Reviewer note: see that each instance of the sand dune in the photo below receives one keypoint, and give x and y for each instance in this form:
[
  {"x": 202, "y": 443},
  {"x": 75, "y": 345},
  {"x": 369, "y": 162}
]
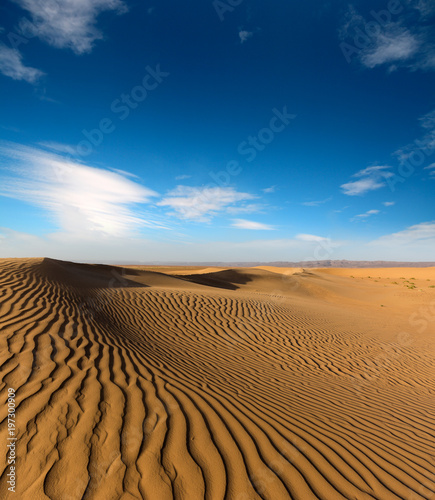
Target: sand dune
[{"x": 204, "y": 383}]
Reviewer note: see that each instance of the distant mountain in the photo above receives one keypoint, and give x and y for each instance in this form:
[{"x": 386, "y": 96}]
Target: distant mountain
[
  {"x": 351, "y": 263},
  {"x": 311, "y": 263}
]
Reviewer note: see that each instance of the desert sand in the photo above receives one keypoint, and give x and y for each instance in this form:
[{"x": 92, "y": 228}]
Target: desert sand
[{"x": 217, "y": 383}]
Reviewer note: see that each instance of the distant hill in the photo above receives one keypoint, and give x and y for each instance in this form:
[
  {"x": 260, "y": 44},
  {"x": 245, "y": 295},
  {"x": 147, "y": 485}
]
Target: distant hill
[{"x": 310, "y": 263}]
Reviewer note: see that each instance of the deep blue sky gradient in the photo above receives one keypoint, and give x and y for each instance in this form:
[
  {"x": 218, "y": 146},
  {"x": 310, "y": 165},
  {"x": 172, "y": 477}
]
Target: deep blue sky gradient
[{"x": 219, "y": 92}]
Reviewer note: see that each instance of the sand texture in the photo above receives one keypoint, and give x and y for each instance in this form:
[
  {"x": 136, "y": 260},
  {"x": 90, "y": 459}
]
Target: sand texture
[{"x": 218, "y": 383}]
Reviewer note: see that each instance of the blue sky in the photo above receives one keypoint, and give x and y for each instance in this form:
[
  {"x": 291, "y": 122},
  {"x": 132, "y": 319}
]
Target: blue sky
[{"x": 218, "y": 130}]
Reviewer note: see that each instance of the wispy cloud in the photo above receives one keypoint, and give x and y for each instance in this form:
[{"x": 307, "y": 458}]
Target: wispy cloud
[
  {"x": 388, "y": 203},
  {"x": 247, "y": 208},
  {"x": 425, "y": 145},
  {"x": 81, "y": 199},
  {"x": 311, "y": 237},
  {"x": 182, "y": 177},
  {"x": 245, "y": 35},
  {"x": 202, "y": 203},
  {"x": 316, "y": 203},
  {"x": 393, "y": 40},
  {"x": 9, "y": 128},
  {"x": 58, "y": 147},
  {"x": 423, "y": 233},
  {"x": 428, "y": 120},
  {"x": 269, "y": 190},
  {"x": 68, "y": 23},
  {"x": 370, "y": 179},
  {"x": 395, "y": 46},
  {"x": 249, "y": 224},
  {"x": 365, "y": 215},
  {"x": 425, "y": 7},
  {"x": 11, "y": 65}
]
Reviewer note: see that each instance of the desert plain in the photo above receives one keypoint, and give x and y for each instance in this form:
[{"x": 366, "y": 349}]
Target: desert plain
[{"x": 214, "y": 383}]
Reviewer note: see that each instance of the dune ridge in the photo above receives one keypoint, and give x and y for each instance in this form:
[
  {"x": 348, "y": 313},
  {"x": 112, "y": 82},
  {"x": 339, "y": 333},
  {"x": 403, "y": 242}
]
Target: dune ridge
[{"x": 217, "y": 383}]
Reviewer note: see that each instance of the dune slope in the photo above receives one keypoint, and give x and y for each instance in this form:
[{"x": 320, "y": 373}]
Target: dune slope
[{"x": 229, "y": 384}]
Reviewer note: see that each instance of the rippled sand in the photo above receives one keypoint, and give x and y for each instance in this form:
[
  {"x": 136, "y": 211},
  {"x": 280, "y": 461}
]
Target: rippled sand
[{"x": 214, "y": 383}]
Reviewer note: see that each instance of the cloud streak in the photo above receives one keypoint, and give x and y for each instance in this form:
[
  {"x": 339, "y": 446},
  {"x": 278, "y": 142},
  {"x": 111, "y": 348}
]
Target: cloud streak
[
  {"x": 370, "y": 179},
  {"x": 421, "y": 234},
  {"x": 67, "y": 23},
  {"x": 201, "y": 203},
  {"x": 395, "y": 46},
  {"x": 245, "y": 35},
  {"x": 80, "y": 198},
  {"x": 365, "y": 215},
  {"x": 249, "y": 224},
  {"x": 316, "y": 203},
  {"x": 389, "y": 39},
  {"x": 11, "y": 65}
]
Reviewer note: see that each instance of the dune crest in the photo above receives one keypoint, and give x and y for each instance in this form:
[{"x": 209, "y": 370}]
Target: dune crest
[{"x": 251, "y": 383}]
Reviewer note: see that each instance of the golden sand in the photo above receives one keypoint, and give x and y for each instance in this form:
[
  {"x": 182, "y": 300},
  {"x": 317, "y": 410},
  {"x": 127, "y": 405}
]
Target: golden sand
[{"x": 214, "y": 383}]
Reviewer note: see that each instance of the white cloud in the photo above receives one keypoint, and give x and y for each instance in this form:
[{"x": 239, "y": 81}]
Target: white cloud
[
  {"x": 365, "y": 215},
  {"x": 248, "y": 224},
  {"x": 374, "y": 170},
  {"x": 67, "y": 23},
  {"x": 311, "y": 237},
  {"x": 58, "y": 147},
  {"x": 82, "y": 199},
  {"x": 246, "y": 209},
  {"x": 244, "y": 35},
  {"x": 316, "y": 203},
  {"x": 395, "y": 42},
  {"x": 422, "y": 234},
  {"x": 371, "y": 178},
  {"x": 425, "y": 145},
  {"x": 201, "y": 203},
  {"x": 11, "y": 64},
  {"x": 394, "y": 46},
  {"x": 362, "y": 186},
  {"x": 270, "y": 189},
  {"x": 425, "y": 7},
  {"x": 388, "y": 203},
  {"x": 182, "y": 177}
]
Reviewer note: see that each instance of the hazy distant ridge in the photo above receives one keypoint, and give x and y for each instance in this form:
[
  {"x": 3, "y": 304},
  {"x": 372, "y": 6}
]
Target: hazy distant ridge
[{"x": 310, "y": 263}]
